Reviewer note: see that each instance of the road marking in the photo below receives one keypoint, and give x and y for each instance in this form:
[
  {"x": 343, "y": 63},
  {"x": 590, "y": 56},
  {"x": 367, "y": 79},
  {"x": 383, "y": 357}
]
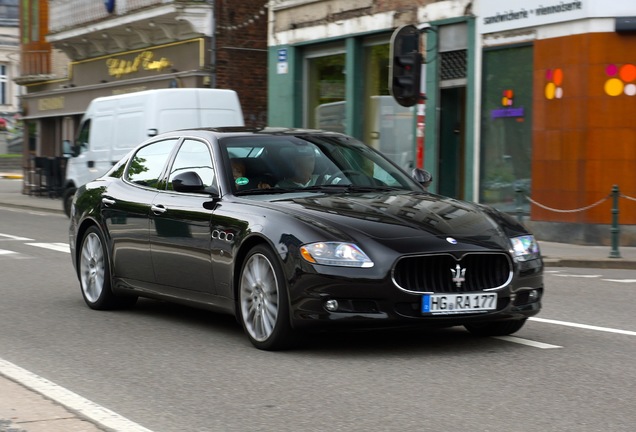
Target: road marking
[
  {"x": 6, "y": 252},
  {"x": 104, "y": 417},
  {"x": 12, "y": 237},
  {"x": 578, "y": 276},
  {"x": 585, "y": 326},
  {"x": 60, "y": 247},
  {"x": 527, "y": 342},
  {"x": 620, "y": 280}
]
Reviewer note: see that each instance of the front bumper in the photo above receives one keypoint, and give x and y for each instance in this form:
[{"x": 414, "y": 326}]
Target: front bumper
[{"x": 364, "y": 303}]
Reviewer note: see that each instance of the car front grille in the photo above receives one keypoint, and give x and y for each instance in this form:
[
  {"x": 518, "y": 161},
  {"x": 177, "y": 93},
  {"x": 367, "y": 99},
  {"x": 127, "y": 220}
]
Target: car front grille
[{"x": 443, "y": 273}]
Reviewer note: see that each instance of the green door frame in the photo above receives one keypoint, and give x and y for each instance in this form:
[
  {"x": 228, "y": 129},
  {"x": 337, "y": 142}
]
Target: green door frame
[{"x": 432, "y": 130}]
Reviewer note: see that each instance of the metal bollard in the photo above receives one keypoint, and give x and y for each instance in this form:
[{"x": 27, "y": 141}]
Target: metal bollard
[
  {"x": 615, "y": 230},
  {"x": 519, "y": 202}
]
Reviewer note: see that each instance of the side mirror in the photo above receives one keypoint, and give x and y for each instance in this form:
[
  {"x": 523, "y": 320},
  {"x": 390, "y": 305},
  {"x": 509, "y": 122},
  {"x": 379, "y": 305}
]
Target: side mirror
[
  {"x": 67, "y": 148},
  {"x": 75, "y": 151},
  {"x": 423, "y": 177},
  {"x": 188, "y": 181}
]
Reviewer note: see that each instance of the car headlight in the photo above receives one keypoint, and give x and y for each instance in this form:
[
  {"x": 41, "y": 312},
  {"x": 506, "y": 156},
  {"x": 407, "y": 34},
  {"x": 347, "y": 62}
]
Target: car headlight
[
  {"x": 335, "y": 254},
  {"x": 525, "y": 248}
]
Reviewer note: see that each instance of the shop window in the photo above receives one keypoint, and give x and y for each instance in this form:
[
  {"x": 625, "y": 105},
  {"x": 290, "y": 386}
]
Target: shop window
[
  {"x": 326, "y": 93},
  {"x": 506, "y": 126},
  {"x": 388, "y": 126}
]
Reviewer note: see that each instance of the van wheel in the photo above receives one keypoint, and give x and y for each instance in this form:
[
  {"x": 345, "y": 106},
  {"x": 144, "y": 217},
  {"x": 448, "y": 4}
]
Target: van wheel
[{"x": 67, "y": 200}]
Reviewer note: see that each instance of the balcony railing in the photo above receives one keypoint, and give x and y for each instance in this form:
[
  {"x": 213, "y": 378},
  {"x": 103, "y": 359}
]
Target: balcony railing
[
  {"x": 36, "y": 63},
  {"x": 68, "y": 14}
]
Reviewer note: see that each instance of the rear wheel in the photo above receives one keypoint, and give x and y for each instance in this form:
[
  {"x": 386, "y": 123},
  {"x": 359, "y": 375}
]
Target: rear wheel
[
  {"x": 94, "y": 274},
  {"x": 264, "y": 308},
  {"x": 495, "y": 328}
]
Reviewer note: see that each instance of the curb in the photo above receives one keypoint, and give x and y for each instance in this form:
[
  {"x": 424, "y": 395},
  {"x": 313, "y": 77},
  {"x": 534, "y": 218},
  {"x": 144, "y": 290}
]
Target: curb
[
  {"x": 30, "y": 207},
  {"x": 608, "y": 263}
]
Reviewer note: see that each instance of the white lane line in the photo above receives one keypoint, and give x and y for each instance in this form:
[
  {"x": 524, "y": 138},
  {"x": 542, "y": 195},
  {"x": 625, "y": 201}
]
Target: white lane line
[
  {"x": 578, "y": 276},
  {"x": 585, "y": 326},
  {"x": 6, "y": 252},
  {"x": 620, "y": 280},
  {"x": 527, "y": 342},
  {"x": 108, "y": 419},
  {"x": 60, "y": 247},
  {"x": 12, "y": 237}
]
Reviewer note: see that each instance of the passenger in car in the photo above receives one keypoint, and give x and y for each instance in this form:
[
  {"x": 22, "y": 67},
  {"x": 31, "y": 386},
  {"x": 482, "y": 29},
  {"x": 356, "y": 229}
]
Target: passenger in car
[{"x": 241, "y": 179}]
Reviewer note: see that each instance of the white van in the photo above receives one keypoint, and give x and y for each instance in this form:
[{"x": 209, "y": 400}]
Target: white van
[{"x": 113, "y": 125}]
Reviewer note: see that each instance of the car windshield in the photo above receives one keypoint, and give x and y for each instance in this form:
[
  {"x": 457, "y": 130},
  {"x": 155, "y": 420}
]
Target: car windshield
[{"x": 312, "y": 162}]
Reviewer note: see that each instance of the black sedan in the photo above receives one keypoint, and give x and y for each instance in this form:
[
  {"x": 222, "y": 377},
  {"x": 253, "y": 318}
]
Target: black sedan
[{"x": 294, "y": 230}]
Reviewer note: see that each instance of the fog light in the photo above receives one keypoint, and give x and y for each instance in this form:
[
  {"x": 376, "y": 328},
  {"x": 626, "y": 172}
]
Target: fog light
[
  {"x": 331, "y": 305},
  {"x": 533, "y": 295}
]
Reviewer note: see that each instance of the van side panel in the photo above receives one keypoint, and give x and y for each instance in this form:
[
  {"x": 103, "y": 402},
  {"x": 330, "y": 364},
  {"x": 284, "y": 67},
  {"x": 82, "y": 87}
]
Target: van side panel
[
  {"x": 223, "y": 109},
  {"x": 128, "y": 132}
]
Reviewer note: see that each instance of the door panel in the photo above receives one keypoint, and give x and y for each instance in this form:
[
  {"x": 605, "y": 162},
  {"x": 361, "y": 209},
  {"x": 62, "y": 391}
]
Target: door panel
[{"x": 451, "y": 144}]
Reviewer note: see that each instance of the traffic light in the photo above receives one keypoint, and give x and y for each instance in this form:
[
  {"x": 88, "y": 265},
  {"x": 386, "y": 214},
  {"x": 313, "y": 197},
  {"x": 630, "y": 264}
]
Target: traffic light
[{"x": 406, "y": 65}]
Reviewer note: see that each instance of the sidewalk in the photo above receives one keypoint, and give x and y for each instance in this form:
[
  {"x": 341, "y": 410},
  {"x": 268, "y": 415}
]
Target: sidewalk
[{"x": 24, "y": 410}]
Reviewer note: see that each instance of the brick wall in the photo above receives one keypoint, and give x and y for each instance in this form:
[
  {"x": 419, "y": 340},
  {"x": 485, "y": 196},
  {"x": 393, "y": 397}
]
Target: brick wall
[{"x": 241, "y": 56}]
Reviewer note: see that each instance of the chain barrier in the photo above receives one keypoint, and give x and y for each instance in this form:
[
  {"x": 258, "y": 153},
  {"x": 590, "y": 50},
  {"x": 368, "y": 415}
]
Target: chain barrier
[
  {"x": 568, "y": 211},
  {"x": 614, "y": 230}
]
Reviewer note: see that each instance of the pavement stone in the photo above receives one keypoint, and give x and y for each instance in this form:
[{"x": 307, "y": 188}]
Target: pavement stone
[{"x": 24, "y": 410}]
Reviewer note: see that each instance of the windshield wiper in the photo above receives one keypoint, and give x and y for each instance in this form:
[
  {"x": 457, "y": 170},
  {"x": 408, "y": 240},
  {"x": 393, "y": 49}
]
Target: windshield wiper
[{"x": 350, "y": 188}]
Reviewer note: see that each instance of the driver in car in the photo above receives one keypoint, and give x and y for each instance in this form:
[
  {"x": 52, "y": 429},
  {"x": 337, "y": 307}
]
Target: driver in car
[{"x": 303, "y": 162}]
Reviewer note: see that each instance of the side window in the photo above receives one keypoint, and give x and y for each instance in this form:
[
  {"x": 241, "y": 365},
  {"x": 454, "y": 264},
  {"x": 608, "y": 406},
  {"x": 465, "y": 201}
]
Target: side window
[
  {"x": 82, "y": 137},
  {"x": 194, "y": 156},
  {"x": 147, "y": 164}
]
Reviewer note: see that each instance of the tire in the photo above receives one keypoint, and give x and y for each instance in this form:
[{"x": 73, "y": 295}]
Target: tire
[
  {"x": 67, "y": 200},
  {"x": 94, "y": 274},
  {"x": 495, "y": 328},
  {"x": 263, "y": 304}
]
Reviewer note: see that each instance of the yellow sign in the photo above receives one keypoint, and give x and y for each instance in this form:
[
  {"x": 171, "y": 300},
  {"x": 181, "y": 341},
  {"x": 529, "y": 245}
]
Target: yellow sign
[
  {"x": 143, "y": 61},
  {"x": 52, "y": 103}
]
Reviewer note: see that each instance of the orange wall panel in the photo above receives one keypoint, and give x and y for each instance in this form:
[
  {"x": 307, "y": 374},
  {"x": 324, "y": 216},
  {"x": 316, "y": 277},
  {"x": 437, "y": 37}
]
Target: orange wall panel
[{"x": 585, "y": 141}]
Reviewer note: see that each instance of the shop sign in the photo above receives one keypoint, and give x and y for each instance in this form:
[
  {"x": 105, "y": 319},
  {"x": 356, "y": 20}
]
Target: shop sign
[
  {"x": 507, "y": 110},
  {"x": 499, "y": 16},
  {"x": 119, "y": 67},
  {"x": 52, "y": 103}
]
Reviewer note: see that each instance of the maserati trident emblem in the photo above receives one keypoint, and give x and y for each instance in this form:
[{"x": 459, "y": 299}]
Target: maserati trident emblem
[{"x": 458, "y": 275}]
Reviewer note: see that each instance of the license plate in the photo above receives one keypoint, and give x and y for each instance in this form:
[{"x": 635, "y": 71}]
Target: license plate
[{"x": 446, "y": 304}]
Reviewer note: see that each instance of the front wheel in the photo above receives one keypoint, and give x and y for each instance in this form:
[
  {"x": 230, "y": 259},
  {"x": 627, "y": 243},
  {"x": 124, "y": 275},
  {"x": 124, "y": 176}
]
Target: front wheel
[
  {"x": 263, "y": 303},
  {"x": 495, "y": 328},
  {"x": 94, "y": 274}
]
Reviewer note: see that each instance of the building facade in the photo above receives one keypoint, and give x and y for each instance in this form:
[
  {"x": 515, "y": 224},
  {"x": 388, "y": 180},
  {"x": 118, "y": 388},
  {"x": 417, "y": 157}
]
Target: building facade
[
  {"x": 558, "y": 80},
  {"x": 527, "y": 106},
  {"x": 10, "y": 128},
  {"x": 74, "y": 51}
]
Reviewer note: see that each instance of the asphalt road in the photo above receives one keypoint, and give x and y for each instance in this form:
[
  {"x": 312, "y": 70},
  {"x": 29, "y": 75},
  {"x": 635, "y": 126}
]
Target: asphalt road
[{"x": 171, "y": 368}]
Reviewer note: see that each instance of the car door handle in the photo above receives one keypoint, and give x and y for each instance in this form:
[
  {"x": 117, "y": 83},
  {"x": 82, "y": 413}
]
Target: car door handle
[
  {"x": 108, "y": 202},
  {"x": 158, "y": 209}
]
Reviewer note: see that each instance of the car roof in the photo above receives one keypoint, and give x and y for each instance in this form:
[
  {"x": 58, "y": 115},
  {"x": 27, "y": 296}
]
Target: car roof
[{"x": 240, "y": 130}]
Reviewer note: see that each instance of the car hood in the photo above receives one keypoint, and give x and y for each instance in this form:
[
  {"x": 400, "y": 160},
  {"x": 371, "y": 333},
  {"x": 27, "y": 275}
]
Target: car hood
[{"x": 404, "y": 215}]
